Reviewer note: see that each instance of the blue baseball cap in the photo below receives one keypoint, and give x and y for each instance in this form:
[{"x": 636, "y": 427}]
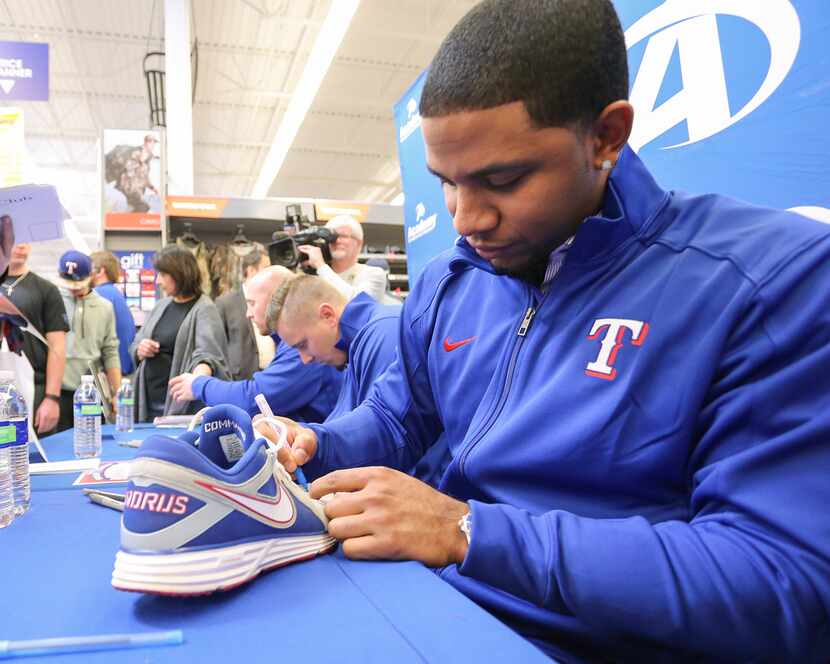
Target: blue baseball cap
[{"x": 74, "y": 268}]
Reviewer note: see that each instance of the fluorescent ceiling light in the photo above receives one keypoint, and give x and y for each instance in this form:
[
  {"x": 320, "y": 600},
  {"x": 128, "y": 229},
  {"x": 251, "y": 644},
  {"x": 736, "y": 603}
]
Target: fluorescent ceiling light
[
  {"x": 325, "y": 46},
  {"x": 398, "y": 200}
]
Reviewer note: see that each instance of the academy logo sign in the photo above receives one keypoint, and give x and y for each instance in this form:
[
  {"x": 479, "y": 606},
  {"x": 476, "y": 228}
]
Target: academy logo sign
[
  {"x": 691, "y": 28},
  {"x": 423, "y": 224},
  {"x": 24, "y": 71},
  {"x": 413, "y": 120}
]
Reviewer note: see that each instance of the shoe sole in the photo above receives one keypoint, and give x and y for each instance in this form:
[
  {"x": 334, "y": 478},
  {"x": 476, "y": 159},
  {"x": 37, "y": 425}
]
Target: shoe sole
[{"x": 211, "y": 570}]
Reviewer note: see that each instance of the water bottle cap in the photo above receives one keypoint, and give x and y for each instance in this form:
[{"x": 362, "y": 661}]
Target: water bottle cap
[{"x": 86, "y": 378}]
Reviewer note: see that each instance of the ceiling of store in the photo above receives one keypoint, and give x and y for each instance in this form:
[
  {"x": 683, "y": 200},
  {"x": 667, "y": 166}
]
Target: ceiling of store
[{"x": 251, "y": 54}]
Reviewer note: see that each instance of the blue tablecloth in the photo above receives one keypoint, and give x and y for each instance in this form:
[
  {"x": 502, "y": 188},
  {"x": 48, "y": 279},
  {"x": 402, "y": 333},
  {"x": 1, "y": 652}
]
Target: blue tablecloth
[{"x": 56, "y": 561}]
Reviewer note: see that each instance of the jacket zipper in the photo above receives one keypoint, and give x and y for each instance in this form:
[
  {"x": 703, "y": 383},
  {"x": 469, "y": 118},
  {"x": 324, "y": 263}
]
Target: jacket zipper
[
  {"x": 521, "y": 333},
  {"x": 528, "y": 319}
]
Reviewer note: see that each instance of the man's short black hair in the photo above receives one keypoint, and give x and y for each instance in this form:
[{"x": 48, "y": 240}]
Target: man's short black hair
[{"x": 565, "y": 59}]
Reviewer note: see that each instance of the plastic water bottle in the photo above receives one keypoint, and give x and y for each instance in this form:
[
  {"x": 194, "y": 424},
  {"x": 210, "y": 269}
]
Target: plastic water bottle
[
  {"x": 14, "y": 429},
  {"x": 14, "y": 439},
  {"x": 87, "y": 412},
  {"x": 124, "y": 416},
  {"x": 6, "y": 495}
]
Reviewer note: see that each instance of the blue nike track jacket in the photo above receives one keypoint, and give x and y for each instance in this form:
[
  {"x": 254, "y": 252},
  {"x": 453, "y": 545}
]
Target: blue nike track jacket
[
  {"x": 369, "y": 337},
  {"x": 369, "y": 334},
  {"x": 644, "y": 448},
  {"x": 303, "y": 392}
]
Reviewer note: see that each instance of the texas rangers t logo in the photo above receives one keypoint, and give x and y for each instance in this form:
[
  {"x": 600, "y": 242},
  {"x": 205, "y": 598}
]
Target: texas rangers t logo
[{"x": 603, "y": 366}]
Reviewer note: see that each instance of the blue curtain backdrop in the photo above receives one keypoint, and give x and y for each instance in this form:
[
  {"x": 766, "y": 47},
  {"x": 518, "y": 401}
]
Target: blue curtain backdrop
[{"x": 731, "y": 96}]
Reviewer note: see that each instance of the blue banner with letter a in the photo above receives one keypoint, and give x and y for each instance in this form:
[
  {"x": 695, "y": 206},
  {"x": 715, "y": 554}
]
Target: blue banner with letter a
[{"x": 428, "y": 226}]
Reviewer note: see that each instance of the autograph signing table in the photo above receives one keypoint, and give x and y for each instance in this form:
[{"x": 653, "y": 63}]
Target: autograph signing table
[{"x": 56, "y": 561}]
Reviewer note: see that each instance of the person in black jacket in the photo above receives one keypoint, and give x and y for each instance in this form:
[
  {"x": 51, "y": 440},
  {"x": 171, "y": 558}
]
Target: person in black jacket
[
  {"x": 40, "y": 302},
  {"x": 244, "y": 346}
]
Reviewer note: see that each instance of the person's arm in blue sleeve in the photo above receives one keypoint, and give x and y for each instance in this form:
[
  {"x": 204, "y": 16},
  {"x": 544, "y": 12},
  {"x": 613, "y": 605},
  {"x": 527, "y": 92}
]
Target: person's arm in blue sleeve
[
  {"x": 125, "y": 325},
  {"x": 397, "y": 422},
  {"x": 286, "y": 382},
  {"x": 748, "y": 576}
]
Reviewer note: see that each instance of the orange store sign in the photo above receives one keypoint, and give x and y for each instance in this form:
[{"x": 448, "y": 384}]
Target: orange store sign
[
  {"x": 132, "y": 221},
  {"x": 195, "y": 206},
  {"x": 330, "y": 209}
]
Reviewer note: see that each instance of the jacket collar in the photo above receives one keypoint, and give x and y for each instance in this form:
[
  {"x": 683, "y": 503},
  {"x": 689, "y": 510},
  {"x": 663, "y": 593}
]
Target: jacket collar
[
  {"x": 356, "y": 314},
  {"x": 632, "y": 199}
]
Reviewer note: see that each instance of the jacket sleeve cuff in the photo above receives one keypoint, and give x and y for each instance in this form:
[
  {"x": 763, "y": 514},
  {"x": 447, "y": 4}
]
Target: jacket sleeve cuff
[
  {"x": 316, "y": 466},
  {"x": 510, "y": 549},
  {"x": 198, "y": 387}
]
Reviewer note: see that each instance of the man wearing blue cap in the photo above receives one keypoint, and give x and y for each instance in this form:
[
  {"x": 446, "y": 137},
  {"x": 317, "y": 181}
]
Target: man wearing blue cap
[{"x": 92, "y": 333}]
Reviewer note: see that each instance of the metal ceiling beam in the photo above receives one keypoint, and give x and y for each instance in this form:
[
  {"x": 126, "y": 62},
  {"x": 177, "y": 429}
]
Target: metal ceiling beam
[
  {"x": 217, "y": 47},
  {"x": 91, "y": 134},
  {"x": 379, "y": 112},
  {"x": 135, "y": 99}
]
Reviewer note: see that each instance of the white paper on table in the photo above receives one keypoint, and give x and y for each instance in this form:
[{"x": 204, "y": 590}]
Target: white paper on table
[
  {"x": 108, "y": 472},
  {"x": 72, "y": 466},
  {"x": 172, "y": 421},
  {"x": 36, "y": 212}
]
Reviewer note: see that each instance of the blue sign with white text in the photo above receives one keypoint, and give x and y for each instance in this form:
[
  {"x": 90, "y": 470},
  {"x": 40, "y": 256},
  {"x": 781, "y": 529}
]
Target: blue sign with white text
[
  {"x": 427, "y": 224},
  {"x": 135, "y": 260},
  {"x": 733, "y": 97},
  {"x": 729, "y": 97},
  {"x": 24, "y": 71}
]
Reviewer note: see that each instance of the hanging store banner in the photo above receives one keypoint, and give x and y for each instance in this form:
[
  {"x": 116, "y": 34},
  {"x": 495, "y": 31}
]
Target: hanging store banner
[
  {"x": 132, "y": 180},
  {"x": 12, "y": 147},
  {"x": 730, "y": 97},
  {"x": 24, "y": 71},
  {"x": 428, "y": 228}
]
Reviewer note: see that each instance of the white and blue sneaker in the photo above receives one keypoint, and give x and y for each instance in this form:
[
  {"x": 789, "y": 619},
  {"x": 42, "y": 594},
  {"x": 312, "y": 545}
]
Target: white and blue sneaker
[{"x": 211, "y": 514}]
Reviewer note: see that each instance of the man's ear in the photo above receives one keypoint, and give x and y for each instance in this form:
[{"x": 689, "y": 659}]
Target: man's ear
[
  {"x": 610, "y": 133},
  {"x": 327, "y": 313}
]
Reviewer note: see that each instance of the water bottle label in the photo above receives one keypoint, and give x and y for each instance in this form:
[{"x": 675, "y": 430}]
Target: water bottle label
[
  {"x": 88, "y": 409},
  {"x": 126, "y": 402},
  {"x": 13, "y": 433}
]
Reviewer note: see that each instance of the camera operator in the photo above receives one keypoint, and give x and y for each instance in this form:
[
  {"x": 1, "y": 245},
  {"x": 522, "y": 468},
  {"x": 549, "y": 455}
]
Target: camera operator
[{"x": 345, "y": 273}]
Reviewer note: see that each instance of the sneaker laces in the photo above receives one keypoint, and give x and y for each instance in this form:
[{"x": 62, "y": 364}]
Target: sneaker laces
[{"x": 196, "y": 420}]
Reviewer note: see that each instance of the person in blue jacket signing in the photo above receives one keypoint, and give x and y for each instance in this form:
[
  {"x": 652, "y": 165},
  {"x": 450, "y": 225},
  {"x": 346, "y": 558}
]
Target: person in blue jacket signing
[
  {"x": 358, "y": 336},
  {"x": 632, "y": 381},
  {"x": 302, "y": 392}
]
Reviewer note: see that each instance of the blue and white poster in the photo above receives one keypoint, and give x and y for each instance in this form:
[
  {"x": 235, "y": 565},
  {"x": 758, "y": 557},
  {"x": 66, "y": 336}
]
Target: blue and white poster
[
  {"x": 730, "y": 96},
  {"x": 24, "y": 71},
  {"x": 428, "y": 225},
  {"x": 733, "y": 97},
  {"x": 138, "y": 282}
]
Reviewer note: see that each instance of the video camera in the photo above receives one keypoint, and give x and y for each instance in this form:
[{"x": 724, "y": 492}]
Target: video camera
[{"x": 298, "y": 230}]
